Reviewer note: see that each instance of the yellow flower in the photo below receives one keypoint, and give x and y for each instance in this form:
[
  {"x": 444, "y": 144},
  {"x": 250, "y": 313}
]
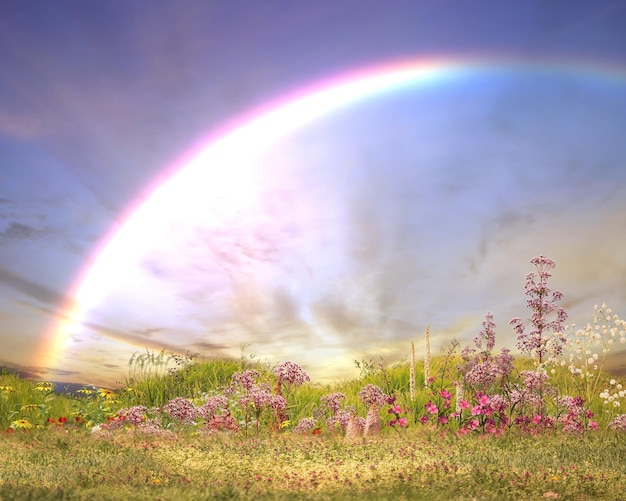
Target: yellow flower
[
  {"x": 29, "y": 407},
  {"x": 7, "y": 389},
  {"x": 104, "y": 393},
  {"x": 86, "y": 391},
  {"x": 21, "y": 423},
  {"x": 44, "y": 386}
]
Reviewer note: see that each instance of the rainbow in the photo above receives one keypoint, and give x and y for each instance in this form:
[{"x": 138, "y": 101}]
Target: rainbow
[{"x": 228, "y": 149}]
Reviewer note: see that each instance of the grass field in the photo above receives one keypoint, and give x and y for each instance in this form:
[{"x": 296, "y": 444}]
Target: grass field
[{"x": 46, "y": 465}]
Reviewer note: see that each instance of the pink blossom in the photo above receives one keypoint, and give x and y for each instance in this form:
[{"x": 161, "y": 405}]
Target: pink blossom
[
  {"x": 483, "y": 400},
  {"x": 477, "y": 410},
  {"x": 464, "y": 404},
  {"x": 431, "y": 408},
  {"x": 395, "y": 410}
]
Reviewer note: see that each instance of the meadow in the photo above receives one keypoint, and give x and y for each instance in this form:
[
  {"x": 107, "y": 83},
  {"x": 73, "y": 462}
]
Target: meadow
[{"x": 469, "y": 423}]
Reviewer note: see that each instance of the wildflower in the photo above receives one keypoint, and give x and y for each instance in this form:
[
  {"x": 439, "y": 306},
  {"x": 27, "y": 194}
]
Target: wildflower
[
  {"x": 44, "y": 386},
  {"x": 542, "y": 301},
  {"x": 305, "y": 425},
  {"x": 212, "y": 405},
  {"x": 431, "y": 408},
  {"x": 618, "y": 423},
  {"x": 246, "y": 379},
  {"x": 181, "y": 410},
  {"x": 395, "y": 410},
  {"x": 106, "y": 394},
  {"x": 29, "y": 407},
  {"x": 464, "y": 404},
  {"x": 134, "y": 415},
  {"x": 21, "y": 423},
  {"x": 333, "y": 402},
  {"x": 291, "y": 374},
  {"x": 373, "y": 395}
]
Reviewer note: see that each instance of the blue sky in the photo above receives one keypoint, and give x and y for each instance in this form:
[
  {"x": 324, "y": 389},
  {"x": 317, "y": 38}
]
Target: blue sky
[{"x": 348, "y": 236}]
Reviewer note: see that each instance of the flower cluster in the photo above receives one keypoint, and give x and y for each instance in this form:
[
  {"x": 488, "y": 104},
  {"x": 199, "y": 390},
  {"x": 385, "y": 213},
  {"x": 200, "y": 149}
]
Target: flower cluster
[
  {"x": 181, "y": 410},
  {"x": 260, "y": 398},
  {"x": 332, "y": 402},
  {"x": 246, "y": 379},
  {"x": 481, "y": 369},
  {"x": 341, "y": 419},
  {"x": 618, "y": 423},
  {"x": 291, "y": 374},
  {"x": 305, "y": 425},
  {"x": 133, "y": 415},
  {"x": 212, "y": 405},
  {"x": 373, "y": 395},
  {"x": 613, "y": 394}
]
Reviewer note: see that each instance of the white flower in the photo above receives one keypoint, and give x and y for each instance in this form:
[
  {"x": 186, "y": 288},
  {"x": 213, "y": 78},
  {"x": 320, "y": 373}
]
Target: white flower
[{"x": 612, "y": 382}]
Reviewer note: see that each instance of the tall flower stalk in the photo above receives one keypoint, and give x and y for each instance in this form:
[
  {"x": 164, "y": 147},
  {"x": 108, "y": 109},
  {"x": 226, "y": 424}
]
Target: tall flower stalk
[{"x": 542, "y": 301}]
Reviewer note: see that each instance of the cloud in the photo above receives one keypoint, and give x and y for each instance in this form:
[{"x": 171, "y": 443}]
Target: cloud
[
  {"x": 19, "y": 231},
  {"x": 41, "y": 293}
]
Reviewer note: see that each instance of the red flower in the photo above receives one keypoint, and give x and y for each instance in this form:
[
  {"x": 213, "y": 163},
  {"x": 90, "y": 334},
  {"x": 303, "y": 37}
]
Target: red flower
[
  {"x": 316, "y": 431},
  {"x": 62, "y": 419}
]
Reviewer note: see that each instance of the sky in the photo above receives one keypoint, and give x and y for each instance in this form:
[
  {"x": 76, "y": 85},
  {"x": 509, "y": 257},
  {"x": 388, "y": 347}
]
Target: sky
[{"x": 218, "y": 178}]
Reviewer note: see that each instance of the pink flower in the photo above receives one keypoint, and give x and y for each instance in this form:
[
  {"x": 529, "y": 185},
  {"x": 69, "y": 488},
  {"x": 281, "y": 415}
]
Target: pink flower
[
  {"x": 483, "y": 400},
  {"x": 537, "y": 419},
  {"x": 446, "y": 394},
  {"x": 477, "y": 410},
  {"x": 397, "y": 409},
  {"x": 402, "y": 422},
  {"x": 593, "y": 425},
  {"x": 464, "y": 404},
  {"x": 431, "y": 408}
]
